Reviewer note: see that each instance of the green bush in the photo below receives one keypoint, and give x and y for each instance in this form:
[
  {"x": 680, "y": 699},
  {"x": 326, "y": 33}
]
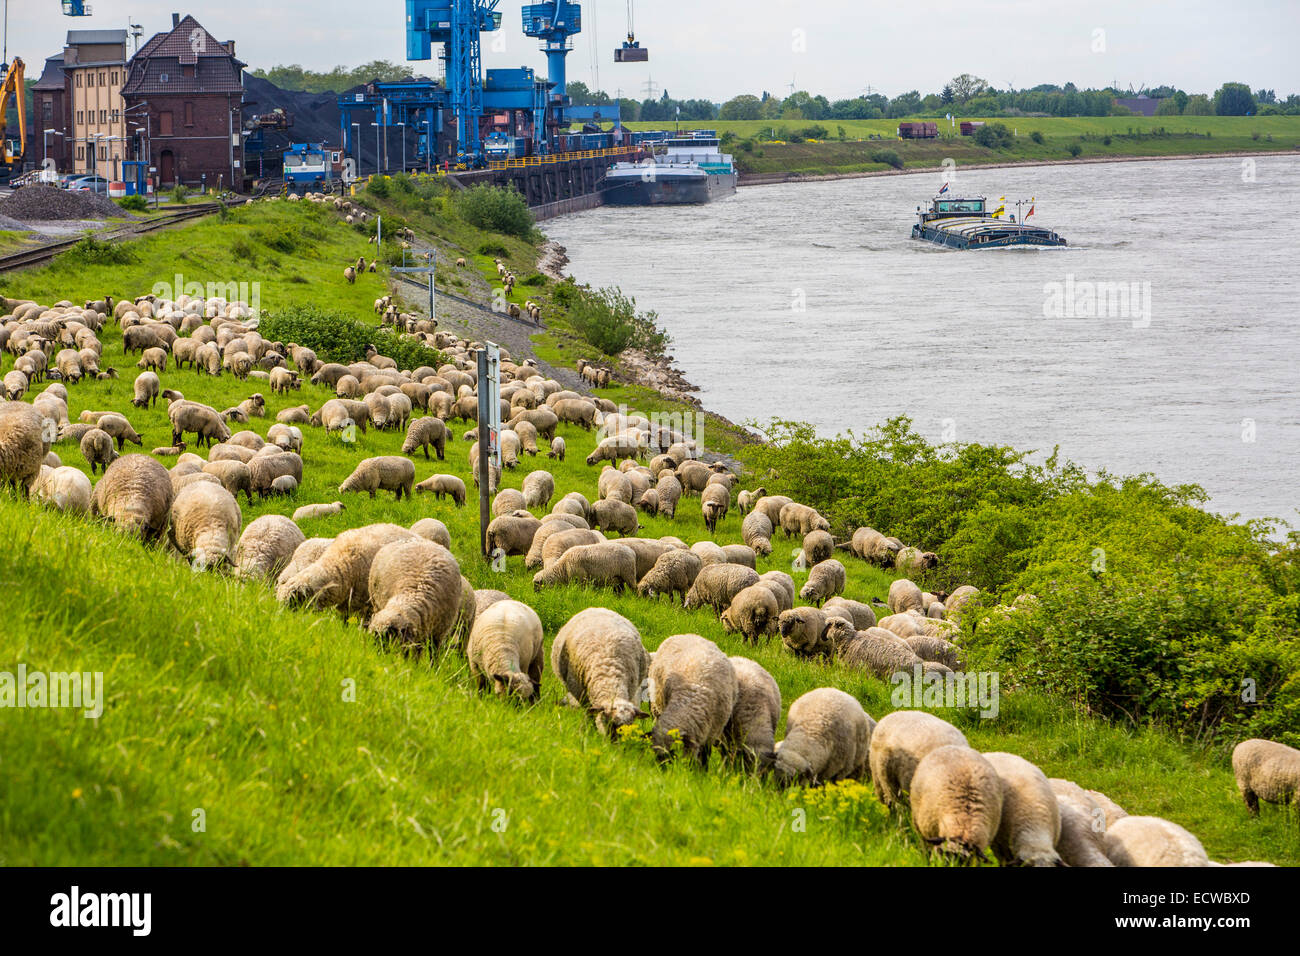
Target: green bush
[
  {"x": 180, "y": 194},
  {"x": 888, "y": 157},
  {"x": 1149, "y": 608},
  {"x": 279, "y": 238},
  {"x": 92, "y": 252},
  {"x": 337, "y": 337},
  {"x": 1074, "y": 149},
  {"x": 138, "y": 203},
  {"x": 493, "y": 249},
  {"x": 993, "y": 136},
  {"x": 496, "y": 209},
  {"x": 608, "y": 319},
  {"x": 534, "y": 279},
  {"x": 1037, "y": 137}
]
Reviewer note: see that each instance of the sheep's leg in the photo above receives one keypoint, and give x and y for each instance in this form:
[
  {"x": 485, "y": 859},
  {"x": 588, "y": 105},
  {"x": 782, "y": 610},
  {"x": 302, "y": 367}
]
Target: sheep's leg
[{"x": 1252, "y": 801}]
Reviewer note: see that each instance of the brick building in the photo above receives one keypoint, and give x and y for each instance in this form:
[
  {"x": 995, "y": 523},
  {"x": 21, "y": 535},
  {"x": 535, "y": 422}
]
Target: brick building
[
  {"x": 94, "y": 68},
  {"x": 50, "y": 104},
  {"x": 183, "y": 98}
]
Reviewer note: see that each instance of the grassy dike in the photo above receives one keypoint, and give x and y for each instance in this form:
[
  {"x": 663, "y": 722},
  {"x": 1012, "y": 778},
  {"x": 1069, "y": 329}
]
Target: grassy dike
[
  {"x": 1096, "y": 138},
  {"x": 302, "y": 742}
]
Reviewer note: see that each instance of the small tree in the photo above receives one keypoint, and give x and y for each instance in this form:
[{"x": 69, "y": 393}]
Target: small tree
[{"x": 1233, "y": 99}]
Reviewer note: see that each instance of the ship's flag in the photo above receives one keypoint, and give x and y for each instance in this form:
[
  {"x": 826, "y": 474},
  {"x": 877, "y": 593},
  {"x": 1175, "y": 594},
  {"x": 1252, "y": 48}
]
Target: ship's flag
[
  {"x": 943, "y": 189},
  {"x": 1031, "y": 209},
  {"x": 1002, "y": 199},
  {"x": 997, "y": 213}
]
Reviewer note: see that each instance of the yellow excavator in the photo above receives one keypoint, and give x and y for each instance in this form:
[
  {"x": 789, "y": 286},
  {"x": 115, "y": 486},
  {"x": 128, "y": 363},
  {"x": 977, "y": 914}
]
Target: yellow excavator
[{"x": 11, "y": 151}]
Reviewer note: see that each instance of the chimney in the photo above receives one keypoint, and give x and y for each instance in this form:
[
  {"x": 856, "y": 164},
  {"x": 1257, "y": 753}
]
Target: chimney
[
  {"x": 176, "y": 20},
  {"x": 230, "y": 47}
]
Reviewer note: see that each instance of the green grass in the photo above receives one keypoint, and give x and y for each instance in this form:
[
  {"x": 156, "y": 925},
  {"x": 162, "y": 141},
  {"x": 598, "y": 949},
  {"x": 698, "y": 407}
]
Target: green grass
[
  {"x": 218, "y": 699},
  {"x": 1182, "y": 135}
]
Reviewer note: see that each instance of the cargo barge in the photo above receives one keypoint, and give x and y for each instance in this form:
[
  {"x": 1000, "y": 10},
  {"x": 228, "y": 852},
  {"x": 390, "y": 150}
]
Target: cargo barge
[
  {"x": 967, "y": 224},
  {"x": 691, "y": 169}
]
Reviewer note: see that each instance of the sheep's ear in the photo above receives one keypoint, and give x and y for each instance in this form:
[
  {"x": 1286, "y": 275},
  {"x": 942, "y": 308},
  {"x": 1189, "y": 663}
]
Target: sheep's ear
[{"x": 641, "y": 715}]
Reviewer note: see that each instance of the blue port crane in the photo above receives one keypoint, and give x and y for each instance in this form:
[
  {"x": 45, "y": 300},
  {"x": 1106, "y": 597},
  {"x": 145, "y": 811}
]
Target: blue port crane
[
  {"x": 456, "y": 24},
  {"x": 75, "y": 8},
  {"x": 554, "y": 23}
]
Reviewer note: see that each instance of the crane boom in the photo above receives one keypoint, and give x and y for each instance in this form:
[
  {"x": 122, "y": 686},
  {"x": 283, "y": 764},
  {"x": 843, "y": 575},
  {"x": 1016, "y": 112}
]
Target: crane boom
[{"x": 13, "y": 85}]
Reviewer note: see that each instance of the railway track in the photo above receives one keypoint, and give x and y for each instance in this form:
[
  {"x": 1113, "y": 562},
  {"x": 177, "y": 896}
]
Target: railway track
[{"x": 37, "y": 255}]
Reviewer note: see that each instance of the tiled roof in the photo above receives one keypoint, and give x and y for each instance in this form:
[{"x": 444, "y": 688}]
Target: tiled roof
[
  {"x": 52, "y": 77},
  {"x": 96, "y": 36},
  {"x": 166, "y": 54}
]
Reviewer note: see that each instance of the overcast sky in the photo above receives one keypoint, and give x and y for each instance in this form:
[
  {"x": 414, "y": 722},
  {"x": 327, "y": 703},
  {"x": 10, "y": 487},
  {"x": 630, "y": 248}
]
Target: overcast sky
[{"x": 718, "y": 48}]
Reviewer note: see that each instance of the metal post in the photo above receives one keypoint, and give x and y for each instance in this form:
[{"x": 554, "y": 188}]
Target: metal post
[{"x": 484, "y": 463}]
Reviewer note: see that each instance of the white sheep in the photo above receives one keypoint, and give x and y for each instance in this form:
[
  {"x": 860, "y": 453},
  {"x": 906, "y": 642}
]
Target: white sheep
[
  {"x": 318, "y": 511},
  {"x": 956, "y": 801},
  {"x": 900, "y": 741},
  {"x": 65, "y": 488},
  {"x": 135, "y": 493},
  {"x": 693, "y": 694},
  {"x": 205, "y": 523},
  {"x": 415, "y": 593},
  {"x": 339, "y": 577},
  {"x": 1031, "y": 818},
  {"x": 599, "y": 658},
  {"x": 266, "y": 546},
  {"x": 538, "y": 489},
  {"x": 505, "y": 650},
  {"x": 827, "y": 738},
  {"x": 751, "y": 729},
  {"x": 1266, "y": 770},
  {"x": 1152, "y": 841}
]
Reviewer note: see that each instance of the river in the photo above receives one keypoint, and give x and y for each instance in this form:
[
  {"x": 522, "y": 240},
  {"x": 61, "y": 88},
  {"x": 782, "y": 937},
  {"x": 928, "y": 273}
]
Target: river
[{"x": 809, "y": 301}]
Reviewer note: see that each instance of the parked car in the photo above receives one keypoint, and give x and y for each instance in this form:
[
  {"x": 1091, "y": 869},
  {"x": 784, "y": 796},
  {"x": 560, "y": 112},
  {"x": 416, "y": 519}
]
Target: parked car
[{"x": 94, "y": 184}]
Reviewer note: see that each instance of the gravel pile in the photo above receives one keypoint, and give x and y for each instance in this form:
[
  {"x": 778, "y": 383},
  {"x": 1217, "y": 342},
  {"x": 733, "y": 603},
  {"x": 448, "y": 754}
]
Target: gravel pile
[
  {"x": 40, "y": 202},
  {"x": 12, "y": 224}
]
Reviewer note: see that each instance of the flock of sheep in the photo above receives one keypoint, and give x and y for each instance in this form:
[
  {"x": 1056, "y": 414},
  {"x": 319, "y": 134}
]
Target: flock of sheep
[{"x": 405, "y": 586}]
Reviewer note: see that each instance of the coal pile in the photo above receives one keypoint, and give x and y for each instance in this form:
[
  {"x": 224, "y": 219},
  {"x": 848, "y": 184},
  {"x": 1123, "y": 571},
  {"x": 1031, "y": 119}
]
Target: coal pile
[{"x": 40, "y": 202}]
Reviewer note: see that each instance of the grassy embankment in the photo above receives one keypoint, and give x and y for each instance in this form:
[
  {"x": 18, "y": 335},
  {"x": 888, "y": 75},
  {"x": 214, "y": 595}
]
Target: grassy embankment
[
  {"x": 1128, "y": 136},
  {"x": 219, "y": 700}
]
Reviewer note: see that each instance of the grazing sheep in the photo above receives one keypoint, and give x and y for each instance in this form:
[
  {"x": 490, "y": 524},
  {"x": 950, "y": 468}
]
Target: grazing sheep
[
  {"x": 801, "y": 520},
  {"x": 318, "y": 511},
  {"x": 415, "y": 593},
  {"x": 234, "y": 476},
  {"x": 266, "y": 468},
  {"x": 146, "y": 389},
  {"x": 552, "y": 525},
  {"x": 65, "y": 488},
  {"x": 599, "y": 658},
  {"x": 135, "y": 493},
  {"x": 1083, "y": 826},
  {"x": 861, "y": 614},
  {"x": 431, "y": 529},
  {"x": 557, "y": 448},
  {"x": 669, "y": 489},
  {"x": 753, "y": 612},
  {"x": 827, "y": 737},
  {"x": 423, "y": 432},
  {"x": 505, "y": 650},
  {"x": 266, "y": 547},
  {"x": 1031, "y": 819},
  {"x": 382, "y": 473},
  {"x": 507, "y": 501},
  {"x": 304, "y": 555},
  {"x": 930, "y": 648},
  {"x": 900, "y": 741},
  {"x": 648, "y": 502},
  {"x": 153, "y": 358},
  {"x": 613, "y": 515},
  {"x": 120, "y": 429},
  {"x": 957, "y": 601},
  {"x": 741, "y": 554},
  {"x": 203, "y": 420},
  {"x": 23, "y": 445},
  {"x": 284, "y": 485},
  {"x": 911, "y": 560},
  {"x": 693, "y": 692},
  {"x": 1152, "y": 841},
  {"x": 802, "y": 631},
  {"x": 442, "y": 485},
  {"x": 339, "y": 577},
  {"x": 746, "y": 500},
  {"x": 607, "y": 564},
  {"x": 717, "y": 585},
  {"x": 781, "y": 585},
  {"x": 956, "y": 800},
  {"x": 558, "y": 543},
  {"x": 710, "y": 553},
  {"x": 715, "y": 500},
  {"x": 904, "y": 596},
  {"x": 751, "y": 729},
  {"x": 614, "y": 484},
  {"x": 818, "y": 546},
  {"x": 674, "y": 573},
  {"x": 538, "y": 488},
  {"x": 205, "y": 523},
  {"x": 874, "y": 650},
  {"x": 825, "y": 580},
  {"x": 870, "y": 545},
  {"x": 512, "y": 533},
  {"x": 1266, "y": 770}
]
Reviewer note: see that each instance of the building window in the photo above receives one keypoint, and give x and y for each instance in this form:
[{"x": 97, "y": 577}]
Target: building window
[
  {"x": 115, "y": 77},
  {"x": 47, "y": 113},
  {"x": 81, "y": 153},
  {"x": 116, "y": 115},
  {"x": 101, "y": 79},
  {"x": 189, "y": 113},
  {"x": 80, "y": 116},
  {"x": 165, "y": 123},
  {"x": 103, "y": 152},
  {"x": 103, "y": 116},
  {"x": 77, "y": 76}
]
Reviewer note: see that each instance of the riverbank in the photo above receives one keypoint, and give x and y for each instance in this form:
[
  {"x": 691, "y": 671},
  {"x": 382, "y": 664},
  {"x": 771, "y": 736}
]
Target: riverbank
[{"x": 768, "y": 179}]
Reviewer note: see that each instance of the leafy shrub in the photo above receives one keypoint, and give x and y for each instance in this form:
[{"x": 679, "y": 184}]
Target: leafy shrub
[
  {"x": 278, "y": 237},
  {"x": 1105, "y": 140},
  {"x": 337, "y": 337},
  {"x": 180, "y": 194},
  {"x": 566, "y": 292},
  {"x": 378, "y": 186},
  {"x": 493, "y": 249},
  {"x": 92, "y": 252},
  {"x": 496, "y": 209},
  {"x": 608, "y": 319},
  {"x": 1037, "y": 137},
  {"x": 888, "y": 157},
  {"x": 138, "y": 203},
  {"x": 534, "y": 279},
  {"x": 1074, "y": 149},
  {"x": 993, "y": 136}
]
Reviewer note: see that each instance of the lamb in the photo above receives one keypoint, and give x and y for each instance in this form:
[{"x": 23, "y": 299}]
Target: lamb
[
  {"x": 747, "y": 499},
  {"x": 146, "y": 389},
  {"x": 693, "y": 692},
  {"x": 753, "y": 612},
  {"x": 266, "y": 547},
  {"x": 717, "y": 586},
  {"x": 120, "y": 429},
  {"x": 205, "y": 523},
  {"x": 899, "y": 743},
  {"x": 505, "y": 650},
  {"x": 234, "y": 476},
  {"x": 339, "y": 577},
  {"x": 1031, "y": 819},
  {"x": 23, "y": 445},
  {"x": 616, "y": 516},
  {"x": 557, "y": 448},
  {"x": 527, "y": 434},
  {"x": 65, "y": 488},
  {"x": 1266, "y": 770},
  {"x": 265, "y": 469},
  {"x": 904, "y": 596},
  {"x": 153, "y": 358},
  {"x": 539, "y": 488},
  {"x": 424, "y": 432},
  {"x": 827, "y": 738},
  {"x": 674, "y": 573},
  {"x": 551, "y": 525},
  {"x": 751, "y": 729},
  {"x": 825, "y": 580},
  {"x": 608, "y": 564},
  {"x": 781, "y": 585},
  {"x": 669, "y": 490},
  {"x": 599, "y": 658},
  {"x": 818, "y": 546},
  {"x": 415, "y": 593},
  {"x": 802, "y": 631},
  {"x": 910, "y": 560},
  {"x": 956, "y": 801},
  {"x": 648, "y": 502},
  {"x": 715, "y": 500},
  {"x": 507, "y": 501},
  {"x": 287, "y": 437},
  {"x": 801, "y": 520},
  {"x": 1152, "y": 841},
  {"x": 442, "y": 485},
  {"x": 860, "y": 614},
  {"x": 382, "y": 473},
  {"x": 512, "y": 533}
]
